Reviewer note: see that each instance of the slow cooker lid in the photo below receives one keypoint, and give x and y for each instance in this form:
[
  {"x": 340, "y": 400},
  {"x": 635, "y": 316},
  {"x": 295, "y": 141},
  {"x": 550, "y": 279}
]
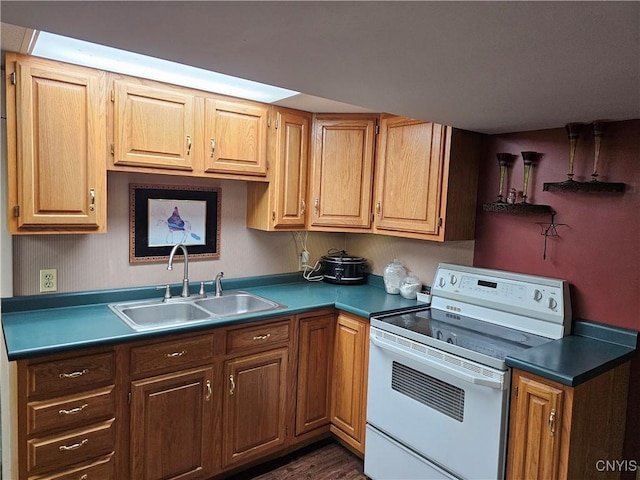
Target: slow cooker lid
[{"x": 341, "y": 256}]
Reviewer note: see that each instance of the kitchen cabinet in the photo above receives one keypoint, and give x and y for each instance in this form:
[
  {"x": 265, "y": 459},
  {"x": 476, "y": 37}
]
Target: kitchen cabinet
[
  {"x": 341, "y": 172},
  {"x": 562, "y": 432},
  {"x": 315, "y": 354},
  {"x": 281, "y": 203},
  {"x": 235, "y": 137},
  {"x": 172, "y": 426},
  {"x": 56, "y": 137},
  {"x": 426, "y": 180},
  {"x": 255, "y": 404},
  {"x": 153, "y": 126},
  {"x": 349, "y": 380},
  {"x": 172, "y": 409},
  {"x": 67, "y": 421}
]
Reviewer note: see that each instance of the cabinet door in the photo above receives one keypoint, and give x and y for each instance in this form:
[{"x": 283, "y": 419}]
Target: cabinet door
[
  {"x": 152, "y": 127},
  {"x": 172, "y": 426},
  {"x": 314, "y": 373},
  {"x": 281, "y": 204},
  {"x": 535, "y": 438},
  {"x": 342, "y": 172},
  {"x": 290, "y": 190},
  {"x": 349, "y": 389},
  {"x": 60, "y": 136},
  {"x": 254, "y": 405},
  {"x": 409, "y": 173},
  {"x": 235, "y": 137}
]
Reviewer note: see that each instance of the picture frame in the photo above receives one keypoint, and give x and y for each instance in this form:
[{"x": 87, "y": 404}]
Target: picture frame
[{"x": 161, "y": 216}]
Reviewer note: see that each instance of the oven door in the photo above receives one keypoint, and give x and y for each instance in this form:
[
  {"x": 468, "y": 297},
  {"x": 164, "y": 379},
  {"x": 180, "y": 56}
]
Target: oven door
[{"x": 450, "y": 411}]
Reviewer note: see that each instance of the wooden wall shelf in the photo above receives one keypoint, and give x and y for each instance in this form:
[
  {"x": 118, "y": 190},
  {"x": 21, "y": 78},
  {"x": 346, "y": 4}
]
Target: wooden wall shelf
[
  {"x": 520, "y": 208},
  {"x": 593, "y": 186}
]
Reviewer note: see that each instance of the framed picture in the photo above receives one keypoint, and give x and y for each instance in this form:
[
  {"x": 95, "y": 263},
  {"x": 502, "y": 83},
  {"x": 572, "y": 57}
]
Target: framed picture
[{"x": 161, "y": 216}]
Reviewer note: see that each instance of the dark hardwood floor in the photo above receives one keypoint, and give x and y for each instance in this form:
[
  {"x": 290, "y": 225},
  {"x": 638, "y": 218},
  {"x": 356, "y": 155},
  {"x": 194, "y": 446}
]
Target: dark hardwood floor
[{"x": 326, "y": 460}]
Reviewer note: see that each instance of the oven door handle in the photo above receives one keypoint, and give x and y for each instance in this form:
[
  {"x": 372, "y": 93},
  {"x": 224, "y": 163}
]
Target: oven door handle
[{"x": 449, "y": 370}]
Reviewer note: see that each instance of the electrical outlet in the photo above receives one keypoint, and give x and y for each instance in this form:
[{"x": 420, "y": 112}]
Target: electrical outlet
[{"x": 48, "y": 280}]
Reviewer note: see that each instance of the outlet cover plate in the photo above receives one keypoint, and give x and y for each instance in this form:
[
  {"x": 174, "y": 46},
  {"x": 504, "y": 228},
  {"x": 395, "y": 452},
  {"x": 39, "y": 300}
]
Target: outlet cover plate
[{"x": 48, "y": 280}]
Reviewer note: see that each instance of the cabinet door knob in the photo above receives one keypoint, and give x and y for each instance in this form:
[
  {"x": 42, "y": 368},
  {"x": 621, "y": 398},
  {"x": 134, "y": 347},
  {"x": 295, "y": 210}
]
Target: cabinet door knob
[
  {"x": 378, "y": 207},
  {"x": 213, "y": 147},
  {"x": 92, "y": 199},
  {"x": 303, "y": 207},
  {"x": 233, "y": 385},
  {"x": 316, "y": 205},
  {"x": 188, "y": 144}
]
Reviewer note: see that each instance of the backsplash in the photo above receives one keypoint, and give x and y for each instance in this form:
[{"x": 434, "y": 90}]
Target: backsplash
[{"x": 101, "y": 261}]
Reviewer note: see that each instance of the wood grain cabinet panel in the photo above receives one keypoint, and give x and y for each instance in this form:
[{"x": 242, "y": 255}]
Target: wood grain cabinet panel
[
  {"x": 341, "y": 174},
  {"x": 254, "y": 406},
  {"x": 56, "y": 134},
  {"x": 172, "y": 425},
  {"x": 315, "y": 355},
  {"x": 349, "y": 388},
  {"x": 102, "y": 469},
  {"x": 562, "y": 432},
  {"x": 281, "y": 204},
  {"x": 153, "y": 126},
  {"x": 235, "y": 137},
  {"x": 426, "y": 180}
]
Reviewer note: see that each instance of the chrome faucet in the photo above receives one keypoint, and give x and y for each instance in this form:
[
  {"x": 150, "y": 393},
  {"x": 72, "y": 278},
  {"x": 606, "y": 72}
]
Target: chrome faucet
[
  {"x": 185, "y": 280},
  {"x": 218, "y": 281}
]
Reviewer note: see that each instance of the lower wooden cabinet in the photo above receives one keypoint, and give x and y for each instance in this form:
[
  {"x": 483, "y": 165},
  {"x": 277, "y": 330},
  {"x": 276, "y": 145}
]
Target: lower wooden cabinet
[
  {"x": 254, "y": 406},
  {"x": 172, "y": 426},
  {"x": 349, "y": 380},
  {"x": 561, "y": 432},
  {"x": 315, "y": 356}
]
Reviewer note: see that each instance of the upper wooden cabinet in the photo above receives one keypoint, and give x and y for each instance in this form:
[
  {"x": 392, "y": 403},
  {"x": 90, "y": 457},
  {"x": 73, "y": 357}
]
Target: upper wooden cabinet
[
  {"x": 341, "y": 175},
  {"x": 152, "y": 126},
  {"x": 561, "y": 432},
  {"x": 56, "y": 145},
  {"x": 235, "y": 137},
  {"x": 281, "y": 204},
  {"x": 426, "y": 180}
]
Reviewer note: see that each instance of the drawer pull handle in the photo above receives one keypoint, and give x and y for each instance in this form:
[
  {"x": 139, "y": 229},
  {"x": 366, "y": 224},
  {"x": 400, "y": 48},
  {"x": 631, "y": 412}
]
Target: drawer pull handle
[
  {"x": 209, "y": 391},
  {"x": 188, "y": 144},
  {"x": 84, "y": 476},
  {"x": 175, "y": 354},
  {"x": 73, "y": 411},
  {"x": 261, "y": 337},
  {"x": 213, "y": 147},
  {"x": 75, "y": 446},
  {"x": 74, "y": 374},
  {"x": 233, "y": 385}
]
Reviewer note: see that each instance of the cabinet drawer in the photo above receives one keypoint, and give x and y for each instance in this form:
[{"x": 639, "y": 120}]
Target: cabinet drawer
[
  {"x": 58, "y": 451},
  {"x": 257, "y": 337},
  {"x": 102, "y": 469},
  {"x": 171, "y": 354},
  {"x": 70, "y": 411},
  {"x": 71, "y": 373}
]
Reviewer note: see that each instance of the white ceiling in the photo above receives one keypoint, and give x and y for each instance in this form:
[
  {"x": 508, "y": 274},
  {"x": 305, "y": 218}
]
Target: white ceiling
[{"x": 491, "y": 67}]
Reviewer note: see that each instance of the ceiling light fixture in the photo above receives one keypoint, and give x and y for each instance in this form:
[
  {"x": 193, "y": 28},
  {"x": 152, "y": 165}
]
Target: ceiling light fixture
[{"x": 79, "y": 52}]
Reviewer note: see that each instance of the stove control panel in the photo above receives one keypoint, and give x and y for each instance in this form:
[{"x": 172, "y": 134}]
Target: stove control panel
[{"x": 458, "y": 288}]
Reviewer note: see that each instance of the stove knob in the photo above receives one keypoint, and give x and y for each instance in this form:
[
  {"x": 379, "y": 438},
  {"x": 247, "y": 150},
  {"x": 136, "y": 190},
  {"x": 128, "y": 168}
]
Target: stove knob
[
  {"x": 551, "y": 303},
  {"x": 454, "y": 279},
  {"x": 439, "y": 335},
  {"x": 442, "y": 282},
  {"x": 536, "y": 295}
]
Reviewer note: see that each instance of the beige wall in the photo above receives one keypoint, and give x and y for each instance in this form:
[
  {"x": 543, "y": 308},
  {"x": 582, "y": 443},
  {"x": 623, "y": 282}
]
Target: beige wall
[{"x": 101, "y": 261}]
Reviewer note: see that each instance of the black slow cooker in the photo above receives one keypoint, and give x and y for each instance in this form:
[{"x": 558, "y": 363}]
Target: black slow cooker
[{"x": 341, "y": 268}]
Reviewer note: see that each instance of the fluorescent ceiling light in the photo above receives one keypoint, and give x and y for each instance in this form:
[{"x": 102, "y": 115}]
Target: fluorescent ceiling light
[{"x": 97, "y": 56}]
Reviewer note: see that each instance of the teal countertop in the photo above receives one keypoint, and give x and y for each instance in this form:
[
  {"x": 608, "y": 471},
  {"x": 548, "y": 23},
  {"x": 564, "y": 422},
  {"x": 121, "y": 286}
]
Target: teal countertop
[
  {"x": 44, "y": 324},
  {"x": 591, "y": 349}
]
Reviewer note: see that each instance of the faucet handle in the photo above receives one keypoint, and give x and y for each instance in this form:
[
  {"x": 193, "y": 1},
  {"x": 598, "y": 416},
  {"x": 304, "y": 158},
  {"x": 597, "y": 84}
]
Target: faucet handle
[
  {"x": 167, "y": 292},
  {"x": 202, "y": 284}
]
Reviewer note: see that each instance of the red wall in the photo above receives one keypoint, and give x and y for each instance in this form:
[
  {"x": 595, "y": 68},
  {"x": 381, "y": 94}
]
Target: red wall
[{"x": 597, "y": 251}]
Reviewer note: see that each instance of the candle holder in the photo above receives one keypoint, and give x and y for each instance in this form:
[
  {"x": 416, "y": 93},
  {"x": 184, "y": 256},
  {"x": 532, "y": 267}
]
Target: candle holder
[
  {"x": 573, "y": 131},
  {"x": 528, "y": 158},
  {"x": 598, "y": 133},
  {"x": 503, "y": 161}
]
